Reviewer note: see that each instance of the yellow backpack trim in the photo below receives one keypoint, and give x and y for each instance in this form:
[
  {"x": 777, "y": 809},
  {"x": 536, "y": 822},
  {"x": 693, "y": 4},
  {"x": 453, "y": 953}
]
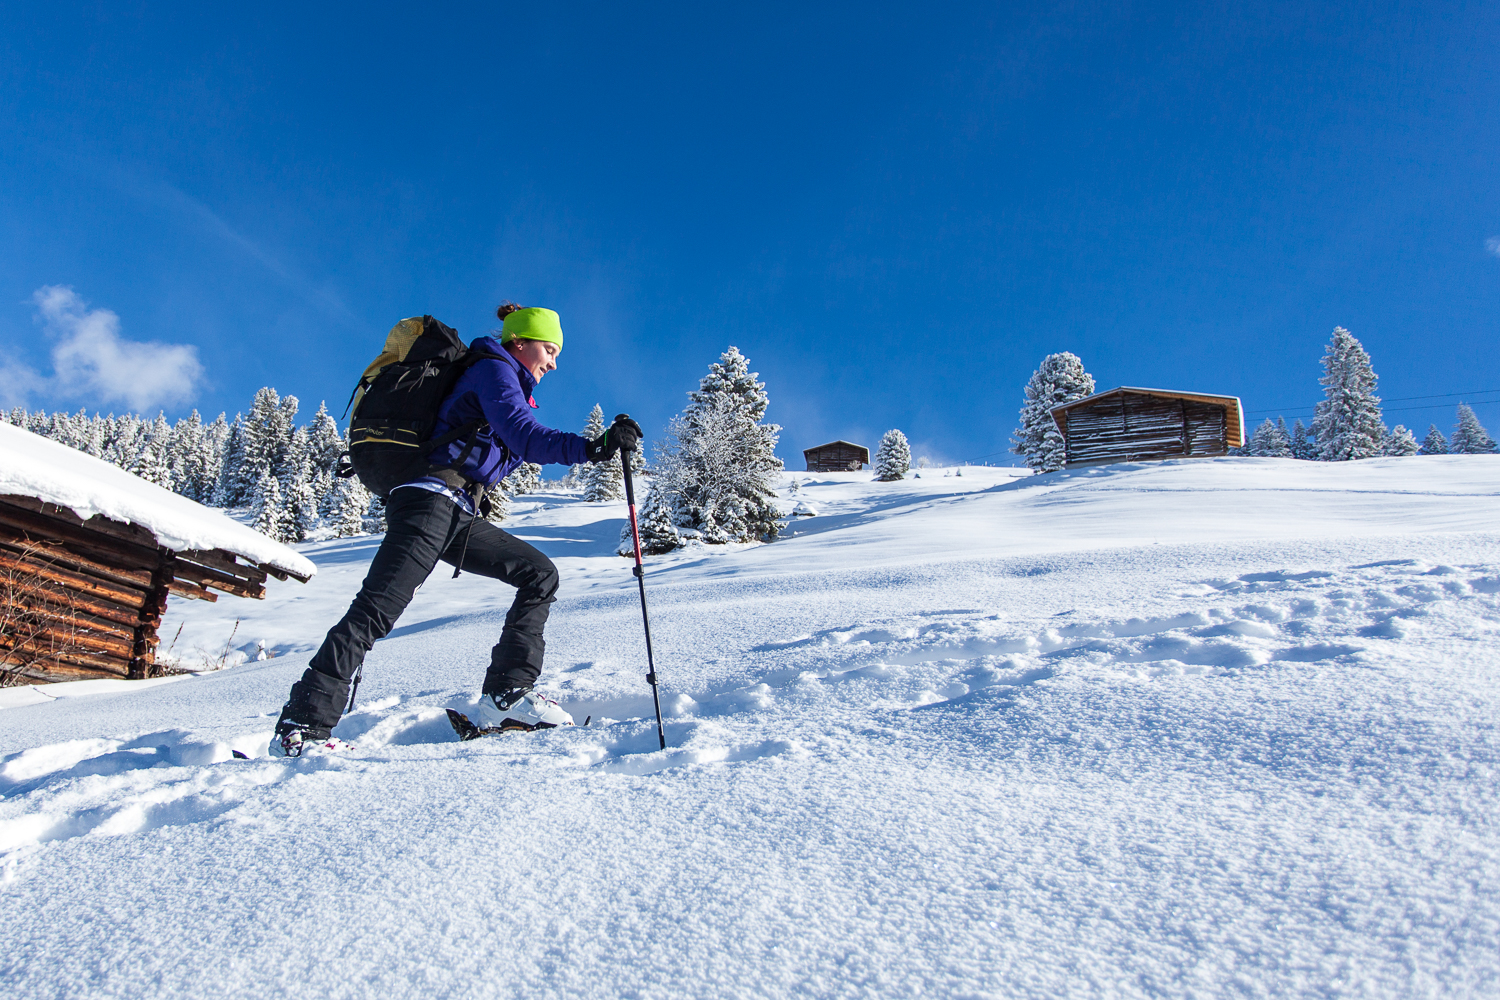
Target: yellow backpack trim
[{"x": 397, "y": 343}]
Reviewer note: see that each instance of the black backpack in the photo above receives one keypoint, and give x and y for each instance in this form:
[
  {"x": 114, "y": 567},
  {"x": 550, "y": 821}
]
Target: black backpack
[{"x": 396, "y": 406}]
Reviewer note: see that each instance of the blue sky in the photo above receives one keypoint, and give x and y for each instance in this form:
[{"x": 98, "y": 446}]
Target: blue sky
[{"x": 896, "y": 211}]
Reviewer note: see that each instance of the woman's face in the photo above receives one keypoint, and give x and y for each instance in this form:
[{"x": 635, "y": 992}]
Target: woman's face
[{"x": 539, "y": 356}]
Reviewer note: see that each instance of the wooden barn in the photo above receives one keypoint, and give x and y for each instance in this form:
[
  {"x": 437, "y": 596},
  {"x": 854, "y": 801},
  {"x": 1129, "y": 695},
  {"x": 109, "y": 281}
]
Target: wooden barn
[
  {"x": 1130, "y": 424},
  {"x": 837, "y": 456},
  {"x": 89, "y": 555}
]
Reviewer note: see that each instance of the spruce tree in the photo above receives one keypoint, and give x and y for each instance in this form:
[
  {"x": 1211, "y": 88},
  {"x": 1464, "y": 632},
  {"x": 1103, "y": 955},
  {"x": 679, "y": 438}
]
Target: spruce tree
[
  {"x": 375, "y": 516},
  {"x": 152, "y": 443},
  {"x": 1470, "y": 437},
  {"x": 268, "y": 509},
  {"x": 91, "y": 438},
  {"x": 232, "y": 490},
  {"x": 657, "y": 521},
  {"x": 302, "y": 505},
  {"x": 730, "y": 377},
  {"x": 576, "y": 475},
  {"x": 602, "y": 480},
  {"x": 892, "y": 457},
  {"x": 1269, "y": 441},
  {"x": 1348, "y": 424},
  {"x": 1399, "y": 443},
  {"x": 523, "y": 479},
  {"x": 325, "y": 442},
  {"x": 497, "y": 500},
  {"x": 1303, "y": 446},
  {"x": 187, "y": 457},
  {"x": 119, "y": 446},
  {"x": 344, "y": 506},
  {"x": 1060, "y": 379},
  {"x": 718, "y": 466},
  {"x": 266, "y": 441},
  {"x": 210, "y": 461},
  {"x": 1434, "y": 443}
]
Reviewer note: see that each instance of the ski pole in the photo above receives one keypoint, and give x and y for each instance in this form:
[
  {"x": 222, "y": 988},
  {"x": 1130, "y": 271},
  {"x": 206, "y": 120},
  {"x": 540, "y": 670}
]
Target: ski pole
[{"x": 640, "y": 578}]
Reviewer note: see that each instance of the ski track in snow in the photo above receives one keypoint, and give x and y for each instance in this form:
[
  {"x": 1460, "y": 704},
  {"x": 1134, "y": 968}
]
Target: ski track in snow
[{"x": 1252, "y": 769}]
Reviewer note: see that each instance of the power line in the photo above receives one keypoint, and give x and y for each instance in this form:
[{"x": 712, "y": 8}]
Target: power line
[{"x": 1399, "y": 399}]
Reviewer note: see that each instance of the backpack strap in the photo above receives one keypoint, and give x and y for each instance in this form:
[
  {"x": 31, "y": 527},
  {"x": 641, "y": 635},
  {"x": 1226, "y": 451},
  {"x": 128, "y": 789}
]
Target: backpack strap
[{"x": 449, "y": 473}]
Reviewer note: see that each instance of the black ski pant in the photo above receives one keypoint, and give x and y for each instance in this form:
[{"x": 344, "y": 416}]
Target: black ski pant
[{"x": 424, "y": 527}]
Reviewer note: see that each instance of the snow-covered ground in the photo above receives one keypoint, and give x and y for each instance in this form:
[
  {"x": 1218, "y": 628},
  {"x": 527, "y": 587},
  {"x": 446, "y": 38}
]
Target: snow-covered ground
[{"x": 1210, "y": 728}]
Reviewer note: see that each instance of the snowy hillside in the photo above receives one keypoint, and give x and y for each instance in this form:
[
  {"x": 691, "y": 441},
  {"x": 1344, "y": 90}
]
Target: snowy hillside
[{"x": 1210, "y": 728}]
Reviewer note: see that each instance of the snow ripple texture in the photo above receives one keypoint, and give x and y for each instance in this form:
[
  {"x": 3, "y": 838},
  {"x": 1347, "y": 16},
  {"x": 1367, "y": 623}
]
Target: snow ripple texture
[{"x": 1199, "y": 768}]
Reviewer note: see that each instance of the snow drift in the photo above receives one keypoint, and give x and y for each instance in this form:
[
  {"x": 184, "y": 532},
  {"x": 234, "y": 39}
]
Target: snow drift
[{"x": 1188, "y": 729}]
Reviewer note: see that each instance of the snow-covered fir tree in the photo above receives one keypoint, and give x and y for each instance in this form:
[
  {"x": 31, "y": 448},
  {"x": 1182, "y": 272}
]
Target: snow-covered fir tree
[
  {"x": 152, "y": 446},
  {"x": 657, "y": 523},
  {"x": 496, "y": 506},
  {"x": 268, "y": 509},
  {"x": 118, "y": 441},
  {"x": 1348, "y": 424},
  {"x": 375, "y": 516},
  {"x": 1434, "y": 443},
  {"x": 892, "y": 457},
  {"x": 602, "y": 480},
  {"x": 232, "y": 491},
  {"x": 1060, "y": 379},
  {"x": 302, "y": 506},
  {"x": 726, "y": 456},
  {"x": 1399, "y": 443},
  {"x": 266, "y": 442},
  {"x": 295, "y": 461},
  {"x": 344, "y": 506},
  {"x": 523, "y": 479},
  {"x": 189, "y": 457},
  {"x": 1469, "y": 436},
  {"x": 715, "y": 474},
  {"x": 1303, "y": 445},
  {"x": 325, "y": 443},
  {"x": 1269, "y": 441}
]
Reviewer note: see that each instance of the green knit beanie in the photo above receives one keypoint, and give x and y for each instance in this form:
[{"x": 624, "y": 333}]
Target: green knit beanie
[{"x": 532, "y": 324}]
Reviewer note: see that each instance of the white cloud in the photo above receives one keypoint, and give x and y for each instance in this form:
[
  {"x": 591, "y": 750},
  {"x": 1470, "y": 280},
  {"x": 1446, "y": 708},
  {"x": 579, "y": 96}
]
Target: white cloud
[
  {"x": 1493, "y": 245},
  {"x": 17, "y": 383},
  {"x": 92, "y": 362}
]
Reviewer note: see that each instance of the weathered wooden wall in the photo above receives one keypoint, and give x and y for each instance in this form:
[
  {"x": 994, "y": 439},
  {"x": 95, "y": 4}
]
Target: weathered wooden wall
[
  {"x": 1131, "y": 427},
  {"x": 838, "y": 457},
  {"x": 84, "y": 599}
]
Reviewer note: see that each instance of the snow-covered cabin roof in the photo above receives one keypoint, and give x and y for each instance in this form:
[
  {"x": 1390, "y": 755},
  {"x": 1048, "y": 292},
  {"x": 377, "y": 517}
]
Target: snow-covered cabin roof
[
  {"x": 32, "y": 466},
  {"x": 1234, "y": 419}
]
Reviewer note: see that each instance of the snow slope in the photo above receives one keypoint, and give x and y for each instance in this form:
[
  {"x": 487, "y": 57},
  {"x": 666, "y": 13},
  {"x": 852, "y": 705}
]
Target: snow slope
[
  {"x": 1181, "y": 729},
  {"x": 33, "y": 466}
]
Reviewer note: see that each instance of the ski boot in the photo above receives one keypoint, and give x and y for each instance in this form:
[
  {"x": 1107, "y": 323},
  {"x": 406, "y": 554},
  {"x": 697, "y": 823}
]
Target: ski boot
[
  {"x": 299, "y": 741},
  {"x": 519, "y": 710}
]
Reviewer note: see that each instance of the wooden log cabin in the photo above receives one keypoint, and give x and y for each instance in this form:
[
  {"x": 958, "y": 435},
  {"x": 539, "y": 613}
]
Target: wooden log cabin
[
  {"x": 83, "y": 596},
  {"x": 1131, "y": 424},
  {"x": 837, "y": 456}
]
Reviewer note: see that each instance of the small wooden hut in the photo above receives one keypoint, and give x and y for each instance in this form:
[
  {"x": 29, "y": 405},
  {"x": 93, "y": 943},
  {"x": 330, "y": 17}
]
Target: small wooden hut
[
  {"x": 83, "y": 596},
  {"x": 837, "y": 456},
  {"x": 1130, "y": 424}
]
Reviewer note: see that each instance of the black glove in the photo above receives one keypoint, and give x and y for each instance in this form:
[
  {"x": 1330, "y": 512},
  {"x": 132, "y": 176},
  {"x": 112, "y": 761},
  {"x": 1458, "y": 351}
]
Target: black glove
[
  {"x": 623, "y": 433},
  {"x": 626, "y": 433}
]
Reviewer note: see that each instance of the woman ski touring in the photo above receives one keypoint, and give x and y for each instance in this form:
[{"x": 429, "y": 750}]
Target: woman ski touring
[{"x": 434, "y": 486}]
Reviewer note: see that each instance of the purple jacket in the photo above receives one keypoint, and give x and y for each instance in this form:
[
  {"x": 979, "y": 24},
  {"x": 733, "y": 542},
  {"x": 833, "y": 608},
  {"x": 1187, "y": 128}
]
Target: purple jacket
[{"x": 499, "y": 391}]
